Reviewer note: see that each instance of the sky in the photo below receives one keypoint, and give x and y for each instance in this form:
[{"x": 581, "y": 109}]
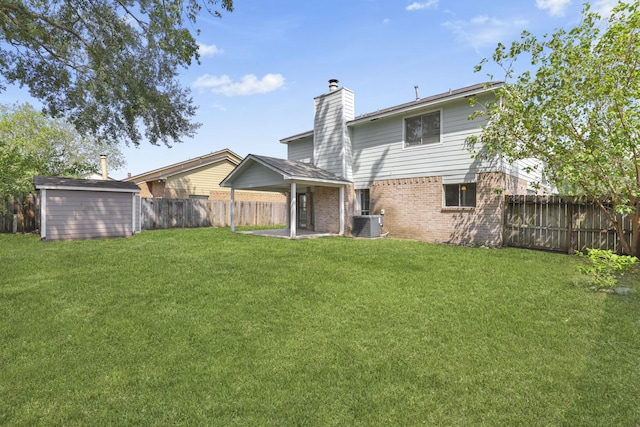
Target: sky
[{"x": 262, "y": 64}]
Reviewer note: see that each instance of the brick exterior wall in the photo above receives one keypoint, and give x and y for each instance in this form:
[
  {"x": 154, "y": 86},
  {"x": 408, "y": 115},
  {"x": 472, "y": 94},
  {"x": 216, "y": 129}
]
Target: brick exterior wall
[
  {"x": 414, "y": 209},
  {"x": 326, "y": 209}
]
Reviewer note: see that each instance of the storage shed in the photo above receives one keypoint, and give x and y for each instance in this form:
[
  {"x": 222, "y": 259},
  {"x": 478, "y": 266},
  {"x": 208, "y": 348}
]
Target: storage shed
[{"x": 73, "y": 209}]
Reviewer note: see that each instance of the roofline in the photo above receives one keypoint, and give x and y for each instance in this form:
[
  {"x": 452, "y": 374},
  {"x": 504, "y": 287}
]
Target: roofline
[
  {"x": 285, "y": 176},
  {"x": 80, "y": 188},
  {"x": 296, "y": 137},
  {"x": 451, "y": 95},
  {"x": 297, "y": 178},
  {"x": 157, "y": 173}
]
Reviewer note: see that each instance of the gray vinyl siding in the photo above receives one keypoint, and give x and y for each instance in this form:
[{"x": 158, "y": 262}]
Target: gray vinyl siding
[
  {"x": 256, "y": 176},
  {"x": 379, "y": 152},
  {"x": 301, "y": 150},
  {"x": 519, "y": 169},
  {"x": 74, "y": 215},
  {"x": 331, "y": 136}
]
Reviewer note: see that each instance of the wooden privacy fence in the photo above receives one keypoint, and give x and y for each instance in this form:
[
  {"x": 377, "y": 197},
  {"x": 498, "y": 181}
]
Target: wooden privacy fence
[
  {"x": 564, "y": 224},
  {"x": 20, "y": 216},
  {"x": 192, "y": 213}
]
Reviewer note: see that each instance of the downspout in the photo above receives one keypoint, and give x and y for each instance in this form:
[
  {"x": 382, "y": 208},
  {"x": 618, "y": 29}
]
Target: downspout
[{"x": 342, "y": 210}]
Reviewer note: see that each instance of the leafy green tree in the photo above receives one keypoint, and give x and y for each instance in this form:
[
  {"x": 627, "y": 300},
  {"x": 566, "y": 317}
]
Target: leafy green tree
[
  {"x": 109, "y": 66},
  {"x": 34, "y": 144},
  {"x": 578, "y": 111}
]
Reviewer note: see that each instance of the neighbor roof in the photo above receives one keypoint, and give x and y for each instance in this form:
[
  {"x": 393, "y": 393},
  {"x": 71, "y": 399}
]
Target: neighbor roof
[
  {"x": 57, "y": 183},
  {"x": 185, "y": 166}
]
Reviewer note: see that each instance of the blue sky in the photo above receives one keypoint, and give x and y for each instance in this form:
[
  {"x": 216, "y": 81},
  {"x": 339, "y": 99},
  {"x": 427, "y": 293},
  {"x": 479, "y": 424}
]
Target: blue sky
[{"x": 262, "y": 64}]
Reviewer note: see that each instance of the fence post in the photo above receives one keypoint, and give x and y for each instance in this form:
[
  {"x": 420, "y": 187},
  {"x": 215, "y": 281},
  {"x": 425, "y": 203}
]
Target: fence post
[{"x": 571, "y": 239}]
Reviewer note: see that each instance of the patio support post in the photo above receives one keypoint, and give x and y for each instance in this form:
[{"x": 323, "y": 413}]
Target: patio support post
[
  {"x": 292, "y": 215},
  {"x": 342, "y": 210},
  {"x": 232, "y": 211},
  {"x": 288, "y": 211}
]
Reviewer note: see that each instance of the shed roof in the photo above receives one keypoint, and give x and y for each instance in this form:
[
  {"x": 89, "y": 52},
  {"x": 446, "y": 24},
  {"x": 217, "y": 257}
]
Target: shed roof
[{"x": 58, "y": 183}]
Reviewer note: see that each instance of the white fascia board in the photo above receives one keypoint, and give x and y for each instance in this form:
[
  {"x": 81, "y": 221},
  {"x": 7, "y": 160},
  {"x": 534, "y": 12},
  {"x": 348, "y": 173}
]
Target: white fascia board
[
  {"x": 373, "y": 116},
  {"x": 296, "y": 137},
  {"x": 71, "y": 188}
]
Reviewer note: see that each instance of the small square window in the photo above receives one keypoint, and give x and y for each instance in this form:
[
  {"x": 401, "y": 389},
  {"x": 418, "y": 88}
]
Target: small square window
[{"x": 460, "y": 195}]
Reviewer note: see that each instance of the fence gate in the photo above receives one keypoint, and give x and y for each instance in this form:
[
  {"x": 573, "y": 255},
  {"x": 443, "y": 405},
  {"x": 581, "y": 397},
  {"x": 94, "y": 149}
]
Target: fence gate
[{"x": 563, "y": 224}]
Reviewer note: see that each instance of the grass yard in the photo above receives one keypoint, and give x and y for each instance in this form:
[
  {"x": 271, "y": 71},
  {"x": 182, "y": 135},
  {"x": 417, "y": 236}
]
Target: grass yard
[{"x": 205, "y": 327}]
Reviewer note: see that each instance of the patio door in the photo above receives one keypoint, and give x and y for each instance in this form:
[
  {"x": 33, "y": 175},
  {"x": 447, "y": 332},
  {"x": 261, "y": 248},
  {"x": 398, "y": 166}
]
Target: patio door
[{"x": 302, "y": 210}]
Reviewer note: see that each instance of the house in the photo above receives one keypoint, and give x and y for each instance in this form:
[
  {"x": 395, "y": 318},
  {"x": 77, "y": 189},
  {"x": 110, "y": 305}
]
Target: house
[
  {"x": 196, "y": 178},
  {"x": 409, "y": 164},
  {"x": 73, "y": 208}
]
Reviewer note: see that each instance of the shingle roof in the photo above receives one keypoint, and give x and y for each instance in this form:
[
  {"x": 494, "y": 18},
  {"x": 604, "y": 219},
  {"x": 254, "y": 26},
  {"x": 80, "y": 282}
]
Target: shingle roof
[
  {"x": 464, "y": 91},
  {"x": 52, "y": 182},
  {"x": 297, "y": 170},
  {"x": 186, "y": 165}
]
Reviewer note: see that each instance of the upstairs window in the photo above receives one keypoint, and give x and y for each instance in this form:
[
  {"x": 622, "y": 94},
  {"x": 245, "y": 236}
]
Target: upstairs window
[
  {"x": 421, "y": 130},
  {"x": 460, "y": 195}
]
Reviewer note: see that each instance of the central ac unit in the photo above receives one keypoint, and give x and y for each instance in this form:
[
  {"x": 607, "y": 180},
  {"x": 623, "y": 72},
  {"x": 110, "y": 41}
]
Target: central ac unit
[{"x": 367, "y": 225}]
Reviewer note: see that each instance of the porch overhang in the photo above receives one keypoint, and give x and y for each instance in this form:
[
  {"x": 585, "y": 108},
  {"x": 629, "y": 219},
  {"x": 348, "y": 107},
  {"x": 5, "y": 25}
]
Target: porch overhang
[{"x": 263, "y": 173}]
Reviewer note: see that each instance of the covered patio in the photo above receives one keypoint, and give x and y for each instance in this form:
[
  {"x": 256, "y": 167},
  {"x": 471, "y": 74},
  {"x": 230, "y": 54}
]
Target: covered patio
[{"x": 315, "y": 197}]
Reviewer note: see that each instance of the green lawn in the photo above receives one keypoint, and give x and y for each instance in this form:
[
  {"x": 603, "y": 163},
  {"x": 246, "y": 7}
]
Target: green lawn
[{"x": 205, "y": 327}]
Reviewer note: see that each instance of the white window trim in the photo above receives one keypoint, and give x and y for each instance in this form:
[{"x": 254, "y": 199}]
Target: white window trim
[
  {"x": 429, "y": 144},
  {"x": 458, "y": 207}
]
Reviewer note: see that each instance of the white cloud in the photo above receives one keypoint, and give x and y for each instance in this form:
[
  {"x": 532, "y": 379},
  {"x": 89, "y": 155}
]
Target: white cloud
[
  {"x": 604, "y": 7},
  {"x": 208, "y": 50},
  {"x": 429, "y": 4},
  {"x": 555, "y": 7},
  {"x": 248, "y": 85},
  {"x": 483, "y": 30}
]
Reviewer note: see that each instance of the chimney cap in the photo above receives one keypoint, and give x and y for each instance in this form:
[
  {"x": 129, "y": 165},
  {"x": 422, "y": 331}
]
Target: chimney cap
[{"x": 333, "y": 84}]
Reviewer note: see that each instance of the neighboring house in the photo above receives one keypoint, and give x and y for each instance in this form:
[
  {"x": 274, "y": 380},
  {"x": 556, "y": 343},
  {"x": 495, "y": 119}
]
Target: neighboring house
[
  {"x": 408, "y": 163},
  {"x": 73, "y": 208},
  {"x": 196, "y": 178}
]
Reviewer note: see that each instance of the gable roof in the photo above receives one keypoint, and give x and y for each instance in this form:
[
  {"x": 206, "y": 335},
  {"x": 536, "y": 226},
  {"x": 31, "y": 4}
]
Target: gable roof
[
  {"x": 185, "y": 166},
  {"x": 464, "y": 92},
  {"x": 57, "y": 183},
  {"x": 290, "y": 170}
]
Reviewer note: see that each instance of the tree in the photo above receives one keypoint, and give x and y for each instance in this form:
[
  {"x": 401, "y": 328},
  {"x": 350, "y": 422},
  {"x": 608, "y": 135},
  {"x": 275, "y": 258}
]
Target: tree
[
  {"x": 578, "y": 111},
  {"x": 33, "y": 144},
  {"x": 109, "y": 66}
]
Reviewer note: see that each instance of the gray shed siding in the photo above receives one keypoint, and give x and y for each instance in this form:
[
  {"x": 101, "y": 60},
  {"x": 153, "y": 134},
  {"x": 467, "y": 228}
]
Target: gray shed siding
[
  {"x": 74, "y": 215},
  {"x": 379, "y": 153},
  {"x": 301, "y": 150},
  {"x": 331, "y": 142}
]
